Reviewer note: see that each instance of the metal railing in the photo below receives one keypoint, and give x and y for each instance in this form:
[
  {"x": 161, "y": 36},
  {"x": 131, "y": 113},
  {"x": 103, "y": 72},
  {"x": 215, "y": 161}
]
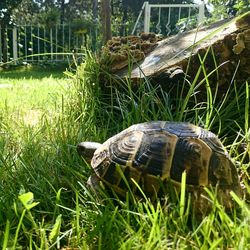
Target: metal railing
[
  {"x": 37, "y": 43},
  {"x": 182, "y": 11}
]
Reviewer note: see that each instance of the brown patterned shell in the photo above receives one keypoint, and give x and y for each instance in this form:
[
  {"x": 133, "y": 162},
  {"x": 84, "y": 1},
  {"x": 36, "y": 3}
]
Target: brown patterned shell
[{"x": 160, "y": 150}]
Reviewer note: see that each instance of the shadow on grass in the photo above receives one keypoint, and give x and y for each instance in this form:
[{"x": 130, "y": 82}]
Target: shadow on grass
[{"x": 34, "y": 71}]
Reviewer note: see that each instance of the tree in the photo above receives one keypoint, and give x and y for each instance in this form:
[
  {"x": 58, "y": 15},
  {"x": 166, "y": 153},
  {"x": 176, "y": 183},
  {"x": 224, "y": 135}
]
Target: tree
[
  {"x": 62, "y": 8},
  {"x": 6, "y": 11},
  {"x": 106, "y": 20},
  {"x": 95, "y": 21},
  {"x": 29, "y": 9},
  {"x": 229, "y": 7}
]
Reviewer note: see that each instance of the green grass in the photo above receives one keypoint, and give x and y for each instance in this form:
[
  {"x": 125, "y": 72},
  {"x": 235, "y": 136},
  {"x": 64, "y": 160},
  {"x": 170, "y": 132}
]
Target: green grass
[
  {"x": 44, "y": 202},
  {"x": 33, "y": 71}
]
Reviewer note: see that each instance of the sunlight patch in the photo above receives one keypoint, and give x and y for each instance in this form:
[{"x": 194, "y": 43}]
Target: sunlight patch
[
  {"x": 5, "y": 86},
  {"x": 31, "y": 117}
]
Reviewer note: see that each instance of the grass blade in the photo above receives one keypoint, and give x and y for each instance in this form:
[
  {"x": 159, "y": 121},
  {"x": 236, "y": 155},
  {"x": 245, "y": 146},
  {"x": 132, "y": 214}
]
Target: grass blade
[
  {"x": 6, "y": 235},
  {"x": 183, "y": 193}
]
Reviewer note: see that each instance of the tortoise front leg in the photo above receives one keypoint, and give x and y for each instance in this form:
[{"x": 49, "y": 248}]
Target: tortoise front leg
[{"x": 94, "y": 183}]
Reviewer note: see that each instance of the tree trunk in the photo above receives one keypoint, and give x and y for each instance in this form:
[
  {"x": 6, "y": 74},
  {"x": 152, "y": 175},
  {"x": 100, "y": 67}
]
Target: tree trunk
[
  {"x": 95, "y": 17},
  {"x": 123, "y": 30},
  {"x": 62, "y": 11},
  {"x": 106, "y": 20},
  {"x": 223, "y": 49}
]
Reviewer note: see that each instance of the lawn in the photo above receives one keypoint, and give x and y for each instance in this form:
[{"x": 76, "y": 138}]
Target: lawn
[
  {"x": 45, "y": 203},
  {"x": 31, "y": 108}
]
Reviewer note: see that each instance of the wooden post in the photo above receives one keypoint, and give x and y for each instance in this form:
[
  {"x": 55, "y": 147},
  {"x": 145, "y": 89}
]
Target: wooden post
[
  {"x": 63, "y": 39},
  {"x": 4, "y": 37},
  {"x": 201, "y": 15},
  {"x": 95, "y": 21},
  {"x": 31, "y": 43},
  {"x": 38, "y": 42},
  {"x": 51, "y": 44},
  {"x": 147, "y": 17},
  {"x": 1, "y": 53},
  {"x": 106, "y": 20},
  {"x": 14, "y": 42}
]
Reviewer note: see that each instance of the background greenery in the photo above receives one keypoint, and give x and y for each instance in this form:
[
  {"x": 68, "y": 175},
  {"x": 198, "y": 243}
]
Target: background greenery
[{"x": 86, "y": 14}]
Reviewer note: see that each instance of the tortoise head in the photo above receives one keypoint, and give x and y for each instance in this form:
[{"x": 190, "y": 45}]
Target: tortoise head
[{"x": 87, "y": 149}]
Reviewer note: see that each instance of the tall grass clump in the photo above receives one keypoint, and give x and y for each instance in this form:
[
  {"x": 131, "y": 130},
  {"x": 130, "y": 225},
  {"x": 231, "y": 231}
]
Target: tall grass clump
[
  {"x": 109, "y": 104},
  {"x": 113, "y": 103}
]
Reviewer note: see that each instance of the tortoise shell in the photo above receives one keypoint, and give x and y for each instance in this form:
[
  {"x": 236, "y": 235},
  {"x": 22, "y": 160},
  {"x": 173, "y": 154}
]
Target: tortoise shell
[{"x": 153, "y": 152}]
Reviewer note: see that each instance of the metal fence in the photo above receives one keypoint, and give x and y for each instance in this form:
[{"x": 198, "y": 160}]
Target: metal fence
[
  {"x": 37, "y": 43},
  {"x": 168, "y": 17},
  {"x": 27, "y": 43}
]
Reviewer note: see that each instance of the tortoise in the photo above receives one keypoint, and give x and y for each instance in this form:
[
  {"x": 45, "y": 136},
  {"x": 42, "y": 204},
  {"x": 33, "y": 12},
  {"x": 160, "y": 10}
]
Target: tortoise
[{"x": 157, "y": 152}]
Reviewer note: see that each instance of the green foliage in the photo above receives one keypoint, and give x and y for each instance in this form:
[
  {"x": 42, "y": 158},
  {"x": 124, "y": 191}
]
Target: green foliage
[
  {"x": 228, "y": 8},
  {"x": 6, "y": 8},
  {"x": 50, "y": 18},
  {"x": 82, "y": 26},
  {"x": 29, "y": 10},
  {"x": 27, "y": 200},
  {"x": 242, "y": 6},
  {"x": 45, "y": 203},
  {"x": 56, "y": 229}
]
